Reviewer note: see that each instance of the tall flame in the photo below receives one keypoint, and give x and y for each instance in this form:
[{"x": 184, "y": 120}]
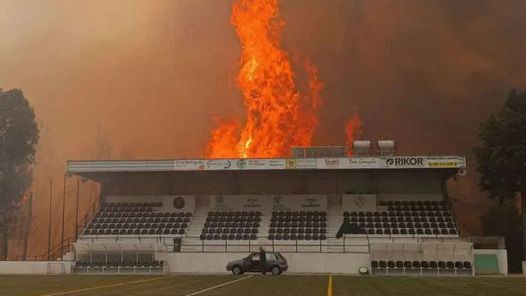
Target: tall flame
[
  {"x": 353, "y": 129},
  {"x": 278, "y": 115}
]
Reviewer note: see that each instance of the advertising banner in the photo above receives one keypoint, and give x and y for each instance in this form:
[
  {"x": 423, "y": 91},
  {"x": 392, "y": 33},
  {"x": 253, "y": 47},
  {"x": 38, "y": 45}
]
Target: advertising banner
[
  {"x": 230, "y": 164},
  {"x": 260, "y": 203},
  {"x": 395, "y": 162},
  {"x": 299, "y": 202},
  {"x": 302, "y": 163}
]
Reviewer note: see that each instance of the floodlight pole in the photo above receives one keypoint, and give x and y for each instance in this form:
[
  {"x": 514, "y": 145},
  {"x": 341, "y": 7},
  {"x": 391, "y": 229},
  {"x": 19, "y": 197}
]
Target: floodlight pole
[
  {"x": 63, "y": 215},
  {"x": 49, "y": 225},
  {"x": 77, "y": 211}
]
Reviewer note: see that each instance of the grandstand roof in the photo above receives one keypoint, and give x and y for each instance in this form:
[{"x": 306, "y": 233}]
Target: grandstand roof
[{"x": 267, "y": 164}]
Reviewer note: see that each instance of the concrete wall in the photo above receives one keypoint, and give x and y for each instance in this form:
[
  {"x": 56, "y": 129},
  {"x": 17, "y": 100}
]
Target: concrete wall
[
  {"x": 502, "y": 257},
  {"x": 298, "y": 262},
  {"x": 35, "y": 267},
  {"x": 277, "y": 182}
]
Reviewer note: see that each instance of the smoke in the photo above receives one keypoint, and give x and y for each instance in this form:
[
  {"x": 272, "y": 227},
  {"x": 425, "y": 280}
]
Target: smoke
[
  {"x": 424, "y": 73},
  {"x": 145, "y": 79}
]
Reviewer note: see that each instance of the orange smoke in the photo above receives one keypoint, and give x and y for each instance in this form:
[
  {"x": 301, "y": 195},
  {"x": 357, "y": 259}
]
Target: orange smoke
[
  {"x": 353, "y": 129},
  {"x": 278, "y": 115}
]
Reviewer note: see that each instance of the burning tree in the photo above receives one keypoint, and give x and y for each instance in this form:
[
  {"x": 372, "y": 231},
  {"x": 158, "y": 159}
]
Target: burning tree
[{"x": 18, "y": 139}]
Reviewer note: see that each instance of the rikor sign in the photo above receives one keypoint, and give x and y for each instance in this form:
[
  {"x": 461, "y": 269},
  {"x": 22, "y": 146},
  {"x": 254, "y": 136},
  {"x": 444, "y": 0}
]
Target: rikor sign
[{"x": 405, "y": 162}]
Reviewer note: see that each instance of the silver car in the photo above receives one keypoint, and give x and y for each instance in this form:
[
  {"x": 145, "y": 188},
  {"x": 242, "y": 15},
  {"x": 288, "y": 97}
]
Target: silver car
[{"x": 275, "y": 264}]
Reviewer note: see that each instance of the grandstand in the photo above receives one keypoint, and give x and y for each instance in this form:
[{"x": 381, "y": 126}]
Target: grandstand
[{"x": 323, "y": 211}]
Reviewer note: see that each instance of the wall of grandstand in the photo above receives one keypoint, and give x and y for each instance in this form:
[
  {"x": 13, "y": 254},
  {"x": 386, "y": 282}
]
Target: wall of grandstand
[
  {"x": 500, "y": 254},
  {"x": 348, "y": 263},
  {"x": 35, "y": 267},
  {"x": 276, "y": 182}
]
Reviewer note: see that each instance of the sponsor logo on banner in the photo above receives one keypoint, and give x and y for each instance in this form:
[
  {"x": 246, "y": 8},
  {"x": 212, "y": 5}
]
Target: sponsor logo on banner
[
  {"x": 257, "y": 164},
  {"x": 302, "y": 163},
  {"x": 298, "y": 203},
  {"x": 332, "y": 163},
  {"x": 404, "y": 162},
  {"x": 219, "y": 203},
  {"x": 241, "y": 164},
  {"x": 364, "y": 162},
  {"x": 291, "y": 163},
  {"x": 276, "y": 163},
  {"x": 359, "y": 202},
  {"x": 189, "y": 164},
  {"x": 178, "y": 202},
  {"x": 442, "y": 164},
  {"x": 252, "y": 203},
  {"x": 445, "y": 162},
  {"x": 306, "y": 163},
  {"x": 311, "y": 203},
  {"x": 276, "y": 203},
  {"x": 218, "y": 164}
]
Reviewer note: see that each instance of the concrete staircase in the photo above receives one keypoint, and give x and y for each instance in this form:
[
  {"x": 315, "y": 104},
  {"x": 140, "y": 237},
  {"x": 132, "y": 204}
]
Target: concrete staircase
[{"x": 191, "y": 241}]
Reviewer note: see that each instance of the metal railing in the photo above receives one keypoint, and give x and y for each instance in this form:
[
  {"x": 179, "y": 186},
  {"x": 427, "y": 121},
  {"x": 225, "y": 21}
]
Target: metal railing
[{"x": 196, "y": 245}]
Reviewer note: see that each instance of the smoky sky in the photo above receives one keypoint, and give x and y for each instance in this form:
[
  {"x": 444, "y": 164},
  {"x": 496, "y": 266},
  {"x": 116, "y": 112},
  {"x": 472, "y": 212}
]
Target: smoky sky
[
  {"x": 152, "y": 75},
  {"x": 145, "y": 79}
]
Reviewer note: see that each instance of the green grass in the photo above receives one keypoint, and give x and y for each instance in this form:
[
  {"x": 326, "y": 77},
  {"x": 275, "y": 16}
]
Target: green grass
[
  {"x": 304, "y": 285},
  {"x": 428, "y": 286}
]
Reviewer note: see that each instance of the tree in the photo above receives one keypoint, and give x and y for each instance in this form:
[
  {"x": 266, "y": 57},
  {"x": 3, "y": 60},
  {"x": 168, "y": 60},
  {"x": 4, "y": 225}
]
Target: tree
[
  {"x": 501, "y": 156},
  {"x": 504, "y": 220},
  {"x": 18, "y": 139}
]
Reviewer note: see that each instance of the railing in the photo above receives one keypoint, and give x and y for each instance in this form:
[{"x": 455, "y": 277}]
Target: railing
[
  {"x": 260, "y": 241},
  {"x": 130, "y": 238},
  {"x": 195, "y": 245},
  {"x": 44, "y": 257},
  {"x": 454, "y": 215}
]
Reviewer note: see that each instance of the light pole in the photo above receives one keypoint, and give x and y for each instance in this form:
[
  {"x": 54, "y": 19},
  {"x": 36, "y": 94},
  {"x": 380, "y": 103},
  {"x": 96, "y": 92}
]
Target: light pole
[
  {"x": 77, "y": 211},
  {"x": 49, "y": 225},
  {"x": 63, "y": 215}
]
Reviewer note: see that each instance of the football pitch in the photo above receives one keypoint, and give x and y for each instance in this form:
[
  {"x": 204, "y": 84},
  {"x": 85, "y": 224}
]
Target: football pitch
[{"x": 286, "y": 285}]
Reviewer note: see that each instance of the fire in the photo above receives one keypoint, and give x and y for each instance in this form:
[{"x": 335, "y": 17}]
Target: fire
[
  {"x": 353, "y": 129},
  {"x": 278, "y": 116},
  {"x": 223, "y": 139}
]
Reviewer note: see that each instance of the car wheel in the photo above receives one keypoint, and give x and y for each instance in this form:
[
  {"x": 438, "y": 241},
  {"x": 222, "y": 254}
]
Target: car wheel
[
  {"x": 236, "y": 270},
  {"x": 276, "y": 270}
]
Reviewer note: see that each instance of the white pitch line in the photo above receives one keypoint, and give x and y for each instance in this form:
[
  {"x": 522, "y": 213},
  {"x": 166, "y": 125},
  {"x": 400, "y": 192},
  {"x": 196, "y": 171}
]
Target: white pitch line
[{"x": 218, "y": 286}]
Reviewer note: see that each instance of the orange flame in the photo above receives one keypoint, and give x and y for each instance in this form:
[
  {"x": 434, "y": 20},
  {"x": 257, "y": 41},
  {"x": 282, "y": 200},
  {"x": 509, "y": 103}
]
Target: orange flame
[
  {"x": 223, "y": 139},
  {"x": 278, "y": 116},
  {"x": 353, "y": 130}
]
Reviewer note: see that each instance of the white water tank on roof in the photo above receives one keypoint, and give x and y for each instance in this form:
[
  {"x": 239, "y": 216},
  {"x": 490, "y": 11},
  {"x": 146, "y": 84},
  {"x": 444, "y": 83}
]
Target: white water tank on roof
[
  {"x": 361, "y": 147},
  {"x": 386, "y": 147}
]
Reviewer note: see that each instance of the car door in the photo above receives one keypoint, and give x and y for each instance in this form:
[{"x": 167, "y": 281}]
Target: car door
[
  {"x": 271, "y": 259},
  {"x": 253, "y": 263}
]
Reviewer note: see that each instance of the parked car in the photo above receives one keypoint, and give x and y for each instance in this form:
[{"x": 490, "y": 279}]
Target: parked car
[{"x": 275, "y": 264}]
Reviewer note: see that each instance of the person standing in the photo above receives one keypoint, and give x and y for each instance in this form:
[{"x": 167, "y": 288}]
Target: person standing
[{"x": 263, "y": 260}]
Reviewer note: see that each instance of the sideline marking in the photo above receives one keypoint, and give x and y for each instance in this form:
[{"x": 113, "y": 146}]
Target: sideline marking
[
  {"x": 219, "y": 286},
  {"x": 329, "y": 286},
  {"x": 107, "y": 286}
]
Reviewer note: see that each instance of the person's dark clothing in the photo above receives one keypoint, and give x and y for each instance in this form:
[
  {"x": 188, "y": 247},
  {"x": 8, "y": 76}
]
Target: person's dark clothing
[
  {"x": 347, "y": 228},
  {"x": 263, "y": 260}
]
